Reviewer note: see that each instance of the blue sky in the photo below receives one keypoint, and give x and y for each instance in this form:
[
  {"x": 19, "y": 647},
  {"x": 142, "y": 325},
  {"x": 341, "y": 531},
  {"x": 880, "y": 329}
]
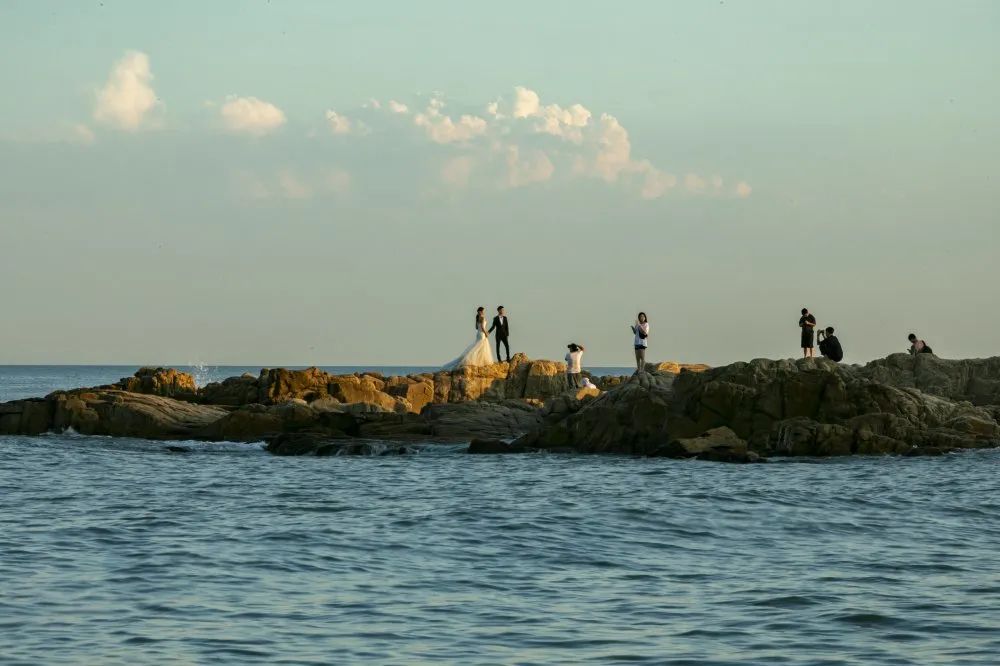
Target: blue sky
[{"x": 240, "y": 182}]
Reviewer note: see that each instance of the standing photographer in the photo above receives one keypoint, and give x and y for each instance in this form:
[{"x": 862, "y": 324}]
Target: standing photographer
[
  {"x": 807, "y": 323},
  {"x": 574, "y": 360},
  {"x": 641, "y": 341}
]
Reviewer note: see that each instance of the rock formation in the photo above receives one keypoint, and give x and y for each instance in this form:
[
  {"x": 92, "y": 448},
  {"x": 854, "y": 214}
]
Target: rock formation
[
  {"x": 165, "y": 382},
  {"x": 738, "y": 413},
  {"x": 974, "y": 380},
  {"x": 718, "y": 444},
  {"x": 108, "y": 412},
  {"x": 629, "y": 419},
  {"x": 805, "y": 407},
  {"x": 522, "y": 378}
]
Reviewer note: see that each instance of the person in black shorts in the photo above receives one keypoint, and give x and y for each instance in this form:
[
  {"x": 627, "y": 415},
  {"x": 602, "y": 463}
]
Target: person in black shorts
[{"x": 807, "y": 323}]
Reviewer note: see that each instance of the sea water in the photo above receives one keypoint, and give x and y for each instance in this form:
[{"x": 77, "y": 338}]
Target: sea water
[{"x": 118, "y": 551}]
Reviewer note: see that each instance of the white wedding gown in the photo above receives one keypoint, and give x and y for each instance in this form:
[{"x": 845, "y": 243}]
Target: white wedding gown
[{"x": 479, "y": 352}]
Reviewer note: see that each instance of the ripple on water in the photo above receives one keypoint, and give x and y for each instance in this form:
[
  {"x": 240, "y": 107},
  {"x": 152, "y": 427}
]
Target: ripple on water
[{"x": 116, "y": 552}]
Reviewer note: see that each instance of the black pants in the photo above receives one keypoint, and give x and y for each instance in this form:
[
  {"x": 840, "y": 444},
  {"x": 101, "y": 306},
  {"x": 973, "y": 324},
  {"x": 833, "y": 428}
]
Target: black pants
[{"x": 502, "y": 341}]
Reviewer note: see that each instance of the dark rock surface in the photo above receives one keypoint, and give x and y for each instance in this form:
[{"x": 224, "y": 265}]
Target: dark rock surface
[
  {"x": 717, "y": 444},
  {"x": 108, "y": 412},
  {"x": 901, "y": 405},
  {"x": 807, "y": 407}
]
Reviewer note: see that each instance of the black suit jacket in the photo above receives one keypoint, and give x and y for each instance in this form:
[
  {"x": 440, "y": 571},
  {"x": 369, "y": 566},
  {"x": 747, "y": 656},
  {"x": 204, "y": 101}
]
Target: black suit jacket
[{"x": 502, "y": 329}]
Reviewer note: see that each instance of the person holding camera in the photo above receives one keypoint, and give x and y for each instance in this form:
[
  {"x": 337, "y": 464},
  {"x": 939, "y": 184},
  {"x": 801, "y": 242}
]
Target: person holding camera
[
  {"x": 574, "y": 362},
  {"x": 641, "y": 331},
  {"x": 807, "y": 323},
  {"x": 829, "y": 345}
]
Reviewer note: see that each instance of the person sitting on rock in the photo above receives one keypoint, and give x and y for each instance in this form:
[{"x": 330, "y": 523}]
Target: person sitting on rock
[
  {"x": 918, "y": 346},
  {"x": 587, "y": 384},
  {"x": 573, "y": 362},
  {"x": 829, "y": 345}
]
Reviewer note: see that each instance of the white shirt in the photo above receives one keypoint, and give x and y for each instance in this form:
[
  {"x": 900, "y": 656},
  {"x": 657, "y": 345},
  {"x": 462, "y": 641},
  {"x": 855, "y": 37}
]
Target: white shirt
[
  {"x": 644, "y": 327},
  {"x": 573, "y": 362}
]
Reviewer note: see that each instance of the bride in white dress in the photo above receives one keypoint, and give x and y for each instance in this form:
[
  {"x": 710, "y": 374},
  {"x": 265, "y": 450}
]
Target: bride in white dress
[{"x": 479, "y": 352}]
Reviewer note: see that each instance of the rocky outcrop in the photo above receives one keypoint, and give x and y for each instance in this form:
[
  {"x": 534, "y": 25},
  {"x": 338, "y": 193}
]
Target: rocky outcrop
[
  {"x": 166, "y": 382},
  {"x": 124, "y": 414},
  {"x": 253, "y": 423},
  {"x": 443, "y": 423},
  {"x": 629, "y": 419},
  {"x": 273, "y": 386},
  {"x": 108, "y": 412},
  {"x": 674, "y": 368},
  {"x": 366, "y": 389},
  {"x": 417, "y": 391},
  {"x": 975, "y": 380},
  {"x": 806, "y": 407},
  {"x": 26, "y": 417},
  {"x": 233, "y": 391},
  {"x": 817, "y": 407},
  {"x": 301, "y": 445},
  {"x": 522, "y": 378},
  {"x": 717, "y": 444},
  {"x": 899, "y": 405},
  {"x": 487, "y": 420}
]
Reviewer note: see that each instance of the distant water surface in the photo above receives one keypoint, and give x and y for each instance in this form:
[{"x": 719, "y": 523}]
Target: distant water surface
[{"x": 115, "y": 551}]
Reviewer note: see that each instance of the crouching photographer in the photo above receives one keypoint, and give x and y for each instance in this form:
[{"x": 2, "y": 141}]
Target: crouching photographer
[{"x": 829, "y": 345}]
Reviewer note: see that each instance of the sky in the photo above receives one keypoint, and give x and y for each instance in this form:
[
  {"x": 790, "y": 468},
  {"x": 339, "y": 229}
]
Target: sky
[{"x": 268, "y": 183}]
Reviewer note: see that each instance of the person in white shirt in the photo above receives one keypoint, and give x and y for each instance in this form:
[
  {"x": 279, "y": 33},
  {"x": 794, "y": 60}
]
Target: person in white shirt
[
  {"x": 573, "y": 362},
  {"x": 641, "y": 330}
]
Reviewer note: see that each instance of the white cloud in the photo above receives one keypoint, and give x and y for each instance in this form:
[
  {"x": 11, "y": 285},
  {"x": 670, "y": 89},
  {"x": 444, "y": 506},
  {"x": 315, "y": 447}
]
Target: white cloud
[
  {"x": 613, "y": 162},
  {"x": 526, "y": 102},
  {"x": 656, "y": 183},
  {"x": 456, "y": 171},
  {"x": 127, "y": 98},
  {"x": 249, "y": 115},
  {"x": 505, "y": 147},
  {"x": 442, "y": 129},
  {"x": 614, "y": 149},
  {"x": 338, "y": 124},
  {"x": 535, "y": 168},
  {"x": 552, "y": 119},
  {"x": 565, "y": 123}
]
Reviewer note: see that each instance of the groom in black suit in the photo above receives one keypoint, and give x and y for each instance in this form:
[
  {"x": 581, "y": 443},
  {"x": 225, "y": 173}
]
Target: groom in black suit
[{"x": 503, "y": 332}]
